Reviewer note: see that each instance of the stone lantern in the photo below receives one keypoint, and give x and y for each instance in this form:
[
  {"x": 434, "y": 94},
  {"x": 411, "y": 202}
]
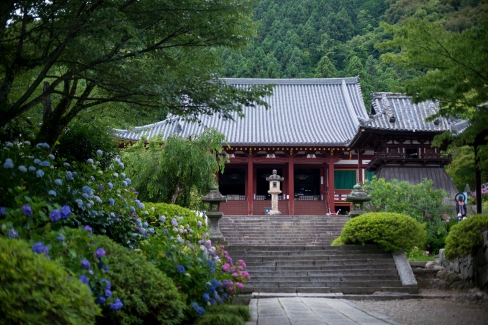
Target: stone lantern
[
  {"x": 357, "y": 197},
  {"x": 214, "y": 198},
  {"x": 274, "y": 189}
]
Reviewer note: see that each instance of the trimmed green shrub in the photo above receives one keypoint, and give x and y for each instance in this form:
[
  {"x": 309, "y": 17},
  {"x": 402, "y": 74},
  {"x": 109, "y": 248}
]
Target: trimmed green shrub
[
  {"x": 465, "y": 237},
  {"x": 35, "y": 290},
  {"x": 225, "y": 315},
  {"x": 393, "y": 231},
  {"x": 148, "y": 295}
]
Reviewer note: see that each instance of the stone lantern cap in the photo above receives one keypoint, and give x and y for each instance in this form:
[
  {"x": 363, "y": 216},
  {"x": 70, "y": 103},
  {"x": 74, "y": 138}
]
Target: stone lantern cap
[
  {"x": 214, "y": 195},
  {"x": 357, "y": 195},
  {"x": 274, "y": 177}
]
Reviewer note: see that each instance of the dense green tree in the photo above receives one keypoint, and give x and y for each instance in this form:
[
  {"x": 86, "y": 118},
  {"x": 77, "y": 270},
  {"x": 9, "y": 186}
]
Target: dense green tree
[
  {"x": 169, "y": 173},
  {"x": 456, "y": 74},
  {"x": 71, "y": 56}
]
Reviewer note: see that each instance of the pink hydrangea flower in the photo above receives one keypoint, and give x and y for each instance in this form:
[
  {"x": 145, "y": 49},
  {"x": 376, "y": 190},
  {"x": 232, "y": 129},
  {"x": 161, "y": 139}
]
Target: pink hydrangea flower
[{"x": 226, "y": 267}]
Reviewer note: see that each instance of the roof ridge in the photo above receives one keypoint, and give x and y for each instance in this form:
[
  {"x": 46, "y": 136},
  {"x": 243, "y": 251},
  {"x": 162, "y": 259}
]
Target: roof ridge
[{"x": 301, "y": 81}]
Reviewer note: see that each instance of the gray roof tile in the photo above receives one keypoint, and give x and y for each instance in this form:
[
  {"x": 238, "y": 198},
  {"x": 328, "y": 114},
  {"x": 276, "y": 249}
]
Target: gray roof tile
[{"x": 302, "y": 112}]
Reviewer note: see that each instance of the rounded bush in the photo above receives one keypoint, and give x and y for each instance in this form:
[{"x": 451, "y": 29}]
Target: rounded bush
[
  {"x": 465, "y": 237},
  {"x": 148, "y": 295},
  {"x": 36, "y": 290},
  {"x": 393, "y": 231}
]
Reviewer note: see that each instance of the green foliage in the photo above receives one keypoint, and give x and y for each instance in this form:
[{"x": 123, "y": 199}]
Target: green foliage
[
  {"x": 417, "y": 254},
  {"x": 465, "y": 237},
  {"x": 35, "y": 290},
  {"x": 148, "y": 295},
  {"x": 83, "y": 138},
  {"x": 461, "y": 169},
  {"x": 225, "y": 315},
  {"x": 169, "y": 173},
  {"x": 422, "y": 202},
  {"x": 155, "y": 56},
  {"x": 186, "y": 217},
  {"x": 393, "y": 231}
]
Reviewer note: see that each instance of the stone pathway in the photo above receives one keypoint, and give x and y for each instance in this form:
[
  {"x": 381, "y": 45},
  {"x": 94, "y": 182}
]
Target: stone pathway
[{"x": 311, "y": 311}]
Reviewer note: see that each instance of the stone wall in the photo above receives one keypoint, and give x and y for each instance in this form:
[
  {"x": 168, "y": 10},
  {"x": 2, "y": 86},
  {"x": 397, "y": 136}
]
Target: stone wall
[{"x": 471, "y": 268}]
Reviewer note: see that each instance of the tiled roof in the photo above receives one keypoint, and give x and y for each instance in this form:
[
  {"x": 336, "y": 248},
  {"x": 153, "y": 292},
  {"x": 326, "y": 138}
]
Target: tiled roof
[
  {"x": 386, "y": 107},
  {"x": 302, "y": 111}
]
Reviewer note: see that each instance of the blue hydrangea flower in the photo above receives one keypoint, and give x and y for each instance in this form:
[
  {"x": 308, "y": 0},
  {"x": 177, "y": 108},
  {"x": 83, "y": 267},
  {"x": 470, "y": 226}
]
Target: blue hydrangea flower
[
  {"x": 85, "y": 264},
  {"x": 162, "y": 218},
  {"x": 79, "y": 202},
  {"x": 145, "y": 224},
  {"x": 104, "y": 267},
  {"x": 55, "y": 215},
  {"x": 174, "y": 222},
  {"x": 139, "y": 222},
  {"x": 88, "y": 228},
  {"x": 32, "y": 168},
  {"x": 108, "y": 285},
  {"x": 3, "y": 210},
  {"x": 51, "y": 156},
  {"x": 194, "y": 305},
  {"x": 58, "y": 182},
  {"x": 210, "y": 263},
  {"x": 45, "y": 163},
  {"x": 65, "y": 212},
  {"x": 180, "y": 269},
  {"x": 42, "y": 145},
  {"x": 37, "y": 161},
  {"x": 84, "y": 279},
  {"x": 39, "y": 248},
  {"x": 22, "y": 169},
  {"x": 13, "y": 234},
  {"x": 98, "y": 199},
  {"x": 92, "y": 178},
  {"x": 128, "y": 180},
  {"x": 121, "y": 165},
  {"x": 84, "y": 195},
  {"x": 27, "y": 210},
  {"x": 100, "y": 300},
  {"x": 52, "y": 192},
  {"x": 214, "y": 283},
  {"x": 8, "y": 163},
  {"x": 200, "y": 311},
  {"x": 116, "y": 305},
  {"x": 39, "y": 173},
  {"x": 108, "y": 293},
  {"x": 87, "y": 190},
  {"x": 69, "y": 176},
  {"x": 95, "y": 212},
  {"x": 99, "y": 152},
  {"x": 151, "y": 231},
  {"x": 9, "y": 144},
  {"x": 66, "y": 164},
  {"x": 123, "y": 175},
  {"x": 132, "y": 209},
  {"x": 111, "y": 201},
  {"x": 88, "y": 205},
  {"x": 110, "y": 185},
  {"x": 60, "y": 238},
  {"x": 124, "y": 184},
  {"x": 99, "y": 252},
  {"x": 205, "y": 297},
  {"x": 212, "y": 270},
  {"x": 90, "y": 161},
  {"x": 91, "y": 272}
]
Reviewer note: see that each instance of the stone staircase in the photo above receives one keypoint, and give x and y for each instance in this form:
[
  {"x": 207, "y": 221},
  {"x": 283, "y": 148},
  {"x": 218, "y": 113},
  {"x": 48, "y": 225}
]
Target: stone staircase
[{"x": 290, "y": 254}]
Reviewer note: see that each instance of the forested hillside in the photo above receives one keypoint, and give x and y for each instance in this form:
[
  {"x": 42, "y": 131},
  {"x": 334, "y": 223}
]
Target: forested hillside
[{"x": 337, "y": 38}]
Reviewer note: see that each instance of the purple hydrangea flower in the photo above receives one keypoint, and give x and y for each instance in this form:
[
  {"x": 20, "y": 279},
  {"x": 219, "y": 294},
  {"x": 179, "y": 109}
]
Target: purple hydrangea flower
[
  {"x": 65, "y": 212},
  {"x": 3, "y": 209},
  {"x": 100, "y": 252},
  {"x": 100, "y": 300},
  {"x": 88, "y": 228},
  {"x": 55, "y": 215},
  {"x": 39, "y": 248},
  {"x": 108, "y": 285},
  {"x": 108, "y": 293},
  {"x": 27, "y": 210},
  {"x": 13, "y": 234},
  {"x": 85, "y": 264},
  {"x": 84, "y": 279},
  {"x": 180, "y": 269},
  {"x": 162, "y": 218},
  {"x": 116, "y": 305}
]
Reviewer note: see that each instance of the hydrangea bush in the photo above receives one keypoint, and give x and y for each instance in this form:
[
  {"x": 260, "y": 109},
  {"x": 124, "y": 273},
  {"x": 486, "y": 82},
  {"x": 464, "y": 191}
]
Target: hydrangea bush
[{"x": 205, "y": 274}]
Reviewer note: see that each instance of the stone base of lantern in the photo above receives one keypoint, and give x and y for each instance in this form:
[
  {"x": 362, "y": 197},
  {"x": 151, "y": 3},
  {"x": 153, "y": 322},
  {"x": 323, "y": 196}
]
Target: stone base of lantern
[
  {"x": 213, "y": 223},
  {"x": 355, "y": 213}
]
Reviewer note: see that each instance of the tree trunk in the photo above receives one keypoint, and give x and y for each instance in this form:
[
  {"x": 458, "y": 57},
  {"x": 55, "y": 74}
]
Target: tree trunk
[{"x": 478, "y": 179}]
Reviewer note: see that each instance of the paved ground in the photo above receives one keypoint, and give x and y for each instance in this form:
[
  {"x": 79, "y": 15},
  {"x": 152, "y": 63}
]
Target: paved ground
[{"x": 311, "y": 311}]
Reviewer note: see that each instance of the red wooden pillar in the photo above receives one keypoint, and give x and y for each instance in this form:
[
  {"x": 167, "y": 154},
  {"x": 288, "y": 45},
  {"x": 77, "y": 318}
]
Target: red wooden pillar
[
  {"x": 330, "y": 184},
  {"x": 250, "y": 186},
  {"x": 291, "y": 186}
]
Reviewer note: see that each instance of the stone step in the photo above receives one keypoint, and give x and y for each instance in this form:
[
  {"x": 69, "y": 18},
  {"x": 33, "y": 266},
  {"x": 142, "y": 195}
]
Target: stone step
[
  {"x": 336, "y": 284},
  {"x": 329, "y": 278},
  {"x": 344, "y": 290},
  {"x": 310, "y": 260},
  {"x": 326, "y": 273}
]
